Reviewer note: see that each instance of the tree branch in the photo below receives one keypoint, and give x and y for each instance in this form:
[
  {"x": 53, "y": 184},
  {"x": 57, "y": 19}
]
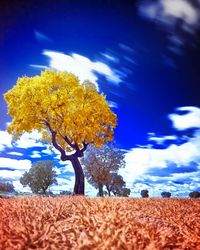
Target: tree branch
[
  {"x": 69, "y": 143},
  {"x": 79, "y": 152},
  {"x": 55, "y": 144},
  {"x": 84, "y": 146}
]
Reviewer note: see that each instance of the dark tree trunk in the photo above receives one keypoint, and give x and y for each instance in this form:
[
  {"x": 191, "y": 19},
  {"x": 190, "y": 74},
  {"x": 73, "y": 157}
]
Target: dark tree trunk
[
  {"x": 79, "y": 186},
  {"x": 43, "y": 190},
  {"x": 100, "y": 186},
  {"x": 108, "y": 189}
]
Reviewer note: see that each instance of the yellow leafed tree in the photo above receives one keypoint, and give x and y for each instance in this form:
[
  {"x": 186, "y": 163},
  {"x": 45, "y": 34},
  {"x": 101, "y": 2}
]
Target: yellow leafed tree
[{"x": 70, "y": 115}]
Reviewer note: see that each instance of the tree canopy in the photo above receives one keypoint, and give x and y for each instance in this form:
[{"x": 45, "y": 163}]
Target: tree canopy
[
  {"x": 194, "y": 194},
  {"x": 100, "y": 165},
  {"x": 40, "y": 176},
  {"x": 116, "y": 184},
  {"x": 166, "y": 194},
  {"x": 125, "y": 192},
  {"x": 144, "y": 193},
  {"x": 70, "y": 114},
  {"x": 6, "y": 187},
  {"x": 58, "y": 101}
]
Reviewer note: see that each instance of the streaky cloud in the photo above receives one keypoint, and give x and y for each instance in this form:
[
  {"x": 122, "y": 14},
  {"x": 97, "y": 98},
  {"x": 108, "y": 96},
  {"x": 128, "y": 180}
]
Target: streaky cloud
[
  {"x": 42, "y": 37},
  {"x": 179, "y": 18},
  {"x": 81, "y": 66}
]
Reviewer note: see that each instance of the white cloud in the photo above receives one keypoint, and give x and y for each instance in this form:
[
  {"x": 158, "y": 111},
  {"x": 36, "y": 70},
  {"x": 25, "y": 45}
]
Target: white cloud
[
  {"x": 180, "y": 9},
  {"x": 20, "y": 165},
  {"x": 161, "y": 139},
  {"x": 81, "y": 66},
  {"x": 169, "y": 11},
  {"x": 19, "y": 187},
  {"x": 140, "y": 160},
  {"x": 35, "y": 154},
  {"x": 15, "y": 153},
  {"x": 10, "y": 175},
  {"x": 67, "y": 166},
  {"x": 186, "y": 152},
  {"x": 179, "y": 17},
  {"x": 47, "y": 151},
  {"x": 28, "y": 140},
  {"x": 189, "y": 120},
  {"x": 5, "y": 140}
]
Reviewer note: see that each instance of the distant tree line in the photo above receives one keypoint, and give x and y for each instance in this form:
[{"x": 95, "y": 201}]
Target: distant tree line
[
  {"x": 101, "y": 166},
  {"x": 145, "y": 194}
]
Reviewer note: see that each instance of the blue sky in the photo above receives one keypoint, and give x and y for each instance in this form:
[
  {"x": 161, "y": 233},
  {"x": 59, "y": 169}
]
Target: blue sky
[{"x": 144, "y": 55}]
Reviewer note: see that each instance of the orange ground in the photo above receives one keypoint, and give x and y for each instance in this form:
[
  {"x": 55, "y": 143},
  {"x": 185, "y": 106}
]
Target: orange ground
[{"x": 80, "y": 223}]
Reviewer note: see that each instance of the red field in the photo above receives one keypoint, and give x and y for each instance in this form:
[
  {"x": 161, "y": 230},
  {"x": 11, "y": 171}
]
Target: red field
[{"x": 80, "y": 223}]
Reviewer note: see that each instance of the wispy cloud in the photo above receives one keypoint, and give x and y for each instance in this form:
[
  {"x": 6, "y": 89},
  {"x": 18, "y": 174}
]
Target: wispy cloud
[
  {"x": 161, "y": 139},
  {"x": 113, "y": 104},
  {"x": 15, "y": 153},
  {"x": 14, "y": 164},
  {"x": 42, "y": 37},
  {"x": 110, "y": 57},
  {"x": 126, "y": 47},
  {"x": 81, "y": 66},
  {"x": 179, "y": 18}
]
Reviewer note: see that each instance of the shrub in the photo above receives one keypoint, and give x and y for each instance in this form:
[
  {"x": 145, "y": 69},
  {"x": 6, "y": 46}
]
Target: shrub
[
  {"x": 194, "y": 194},
  {"x": 144, "y": 193},
  {"x": 166, "y": 194}
]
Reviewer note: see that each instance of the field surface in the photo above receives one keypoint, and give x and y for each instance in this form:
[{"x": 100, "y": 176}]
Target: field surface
[{"x": 80, "y": 223}]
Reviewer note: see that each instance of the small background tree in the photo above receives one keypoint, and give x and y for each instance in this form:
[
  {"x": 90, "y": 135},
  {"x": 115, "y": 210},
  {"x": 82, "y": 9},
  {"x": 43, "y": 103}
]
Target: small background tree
[
  {"x": 194, "y": 194},
  {"x": 125, "y": 192},
  {"x": 40, "y": 176},
  {"x": 6, "y": 187},
  {"x": 101, "y": 166},
  {"x": 116, "y": 184},
  {"x": 166, "y": 194},
  {"x": 144, "y": 193}
]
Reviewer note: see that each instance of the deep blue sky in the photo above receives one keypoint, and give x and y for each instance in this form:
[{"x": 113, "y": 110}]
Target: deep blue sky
[{"x": 156, "y": 58}]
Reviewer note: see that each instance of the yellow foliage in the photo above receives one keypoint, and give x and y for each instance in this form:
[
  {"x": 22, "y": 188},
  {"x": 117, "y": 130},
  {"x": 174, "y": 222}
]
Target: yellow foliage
[{"x": 72, "y": 109}]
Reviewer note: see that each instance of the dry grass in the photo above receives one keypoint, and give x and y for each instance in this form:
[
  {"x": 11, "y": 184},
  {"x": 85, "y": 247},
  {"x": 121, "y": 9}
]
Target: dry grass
[{"x": 81, "y": 223}]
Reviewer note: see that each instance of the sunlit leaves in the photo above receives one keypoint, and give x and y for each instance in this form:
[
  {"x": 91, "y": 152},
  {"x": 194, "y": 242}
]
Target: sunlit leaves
[{"x": 72, "y": 109}]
